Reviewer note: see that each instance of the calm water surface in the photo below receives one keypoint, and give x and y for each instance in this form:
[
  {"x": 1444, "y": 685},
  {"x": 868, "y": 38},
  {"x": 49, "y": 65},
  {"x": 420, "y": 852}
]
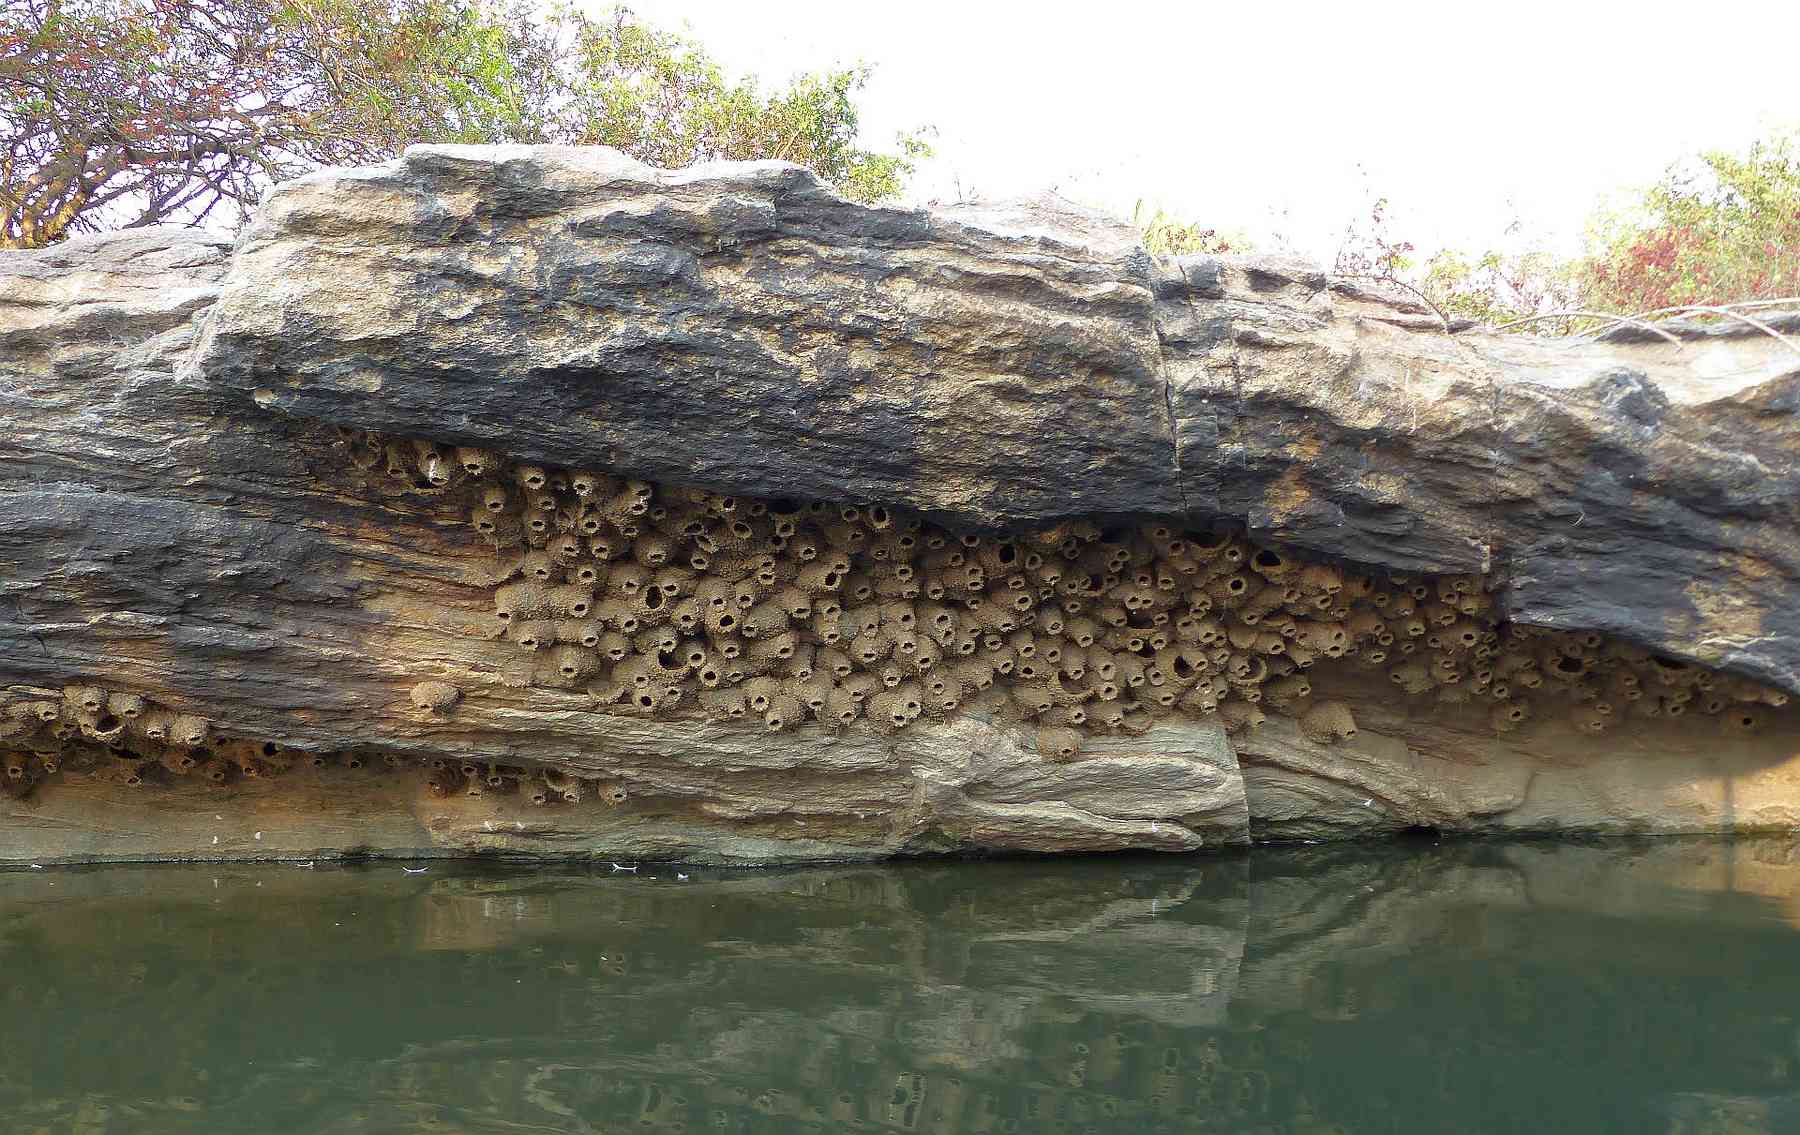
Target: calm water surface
[{"x": 1435, "y": 988}]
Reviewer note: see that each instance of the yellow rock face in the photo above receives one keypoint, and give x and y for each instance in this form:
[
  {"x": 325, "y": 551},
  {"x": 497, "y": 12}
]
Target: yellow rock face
[{"x": 666, "y": 601}]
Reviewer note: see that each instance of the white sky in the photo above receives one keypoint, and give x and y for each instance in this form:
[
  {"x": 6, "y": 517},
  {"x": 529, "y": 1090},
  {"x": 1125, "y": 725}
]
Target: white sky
[{"x": 1282, "y": 120}]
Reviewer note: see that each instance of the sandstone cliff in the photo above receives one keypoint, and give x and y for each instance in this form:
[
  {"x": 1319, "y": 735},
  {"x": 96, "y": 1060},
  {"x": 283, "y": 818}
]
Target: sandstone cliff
[{"x": 534, "y": 501}]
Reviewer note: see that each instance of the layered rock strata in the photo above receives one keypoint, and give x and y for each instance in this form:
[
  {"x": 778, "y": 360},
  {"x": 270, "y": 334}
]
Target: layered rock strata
[{"x": 533, "y": 501}]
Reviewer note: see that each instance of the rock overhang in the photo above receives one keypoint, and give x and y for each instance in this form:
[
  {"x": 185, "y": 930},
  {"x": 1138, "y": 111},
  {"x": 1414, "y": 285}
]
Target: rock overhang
[
  {"x": 738, "y": 327},
  {"x": 169, "y": 539}
]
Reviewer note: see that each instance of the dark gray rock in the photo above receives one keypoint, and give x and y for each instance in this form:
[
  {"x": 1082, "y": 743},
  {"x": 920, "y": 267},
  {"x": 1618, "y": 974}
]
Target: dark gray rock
[
  {"x": 1646, "y": 490},
  {"x": 740, "y": 328},
  {"x": 177, "y": 519},
  {"x": 737, "y": 327}
]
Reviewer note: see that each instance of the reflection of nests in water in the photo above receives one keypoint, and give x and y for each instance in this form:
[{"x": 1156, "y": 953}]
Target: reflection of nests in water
[{"x": 667, "y": 601}]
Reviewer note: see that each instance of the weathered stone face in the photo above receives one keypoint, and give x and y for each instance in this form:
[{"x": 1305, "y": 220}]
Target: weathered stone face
[
  {"x": 735, "y": 326},
  {"x": 1642, "y": 489},
  {"x": 739, "y": 328},
  {"x": 181, "y": 525}
]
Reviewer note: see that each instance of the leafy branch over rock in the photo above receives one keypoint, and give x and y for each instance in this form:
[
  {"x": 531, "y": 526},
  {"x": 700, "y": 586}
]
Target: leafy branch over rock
[{"x": 120, "y": 113}]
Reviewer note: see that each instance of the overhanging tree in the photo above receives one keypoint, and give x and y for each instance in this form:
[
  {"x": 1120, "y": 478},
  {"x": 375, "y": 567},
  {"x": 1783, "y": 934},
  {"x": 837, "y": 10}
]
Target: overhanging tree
[
  {"x": 1722, "y": 229},
  {"x": 116, "y": 113}
]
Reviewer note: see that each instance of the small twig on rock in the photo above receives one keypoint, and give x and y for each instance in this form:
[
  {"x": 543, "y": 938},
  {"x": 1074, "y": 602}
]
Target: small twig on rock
[{"x": 1578, "y": 314}]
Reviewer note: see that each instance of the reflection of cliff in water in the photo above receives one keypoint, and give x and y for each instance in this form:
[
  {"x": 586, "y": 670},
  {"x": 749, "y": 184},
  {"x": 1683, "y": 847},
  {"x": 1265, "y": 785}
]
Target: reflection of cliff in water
[{"x": 1342, "y": 989}]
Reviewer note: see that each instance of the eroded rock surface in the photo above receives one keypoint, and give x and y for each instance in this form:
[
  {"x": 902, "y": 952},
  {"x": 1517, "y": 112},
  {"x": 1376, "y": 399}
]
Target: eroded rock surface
[
  {"x": 739, "y": 328},
  {"x": 232, "y": 490}
]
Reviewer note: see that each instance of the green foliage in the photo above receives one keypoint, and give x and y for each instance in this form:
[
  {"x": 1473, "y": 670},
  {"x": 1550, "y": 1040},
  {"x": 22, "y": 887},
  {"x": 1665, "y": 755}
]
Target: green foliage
[
  {"x": 1725, "y": 229},
  {"x": 125, "y": 112},
  {"x": 1489, "y": 288},
  {"x": 1165, "y": 236},
  {"x": 661, "y": 98},
  {"x": 1497, "y": 287},
  {"x": 394, "y": 72}
]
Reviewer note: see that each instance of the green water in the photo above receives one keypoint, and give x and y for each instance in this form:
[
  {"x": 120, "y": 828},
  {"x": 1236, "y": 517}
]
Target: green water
[{"x": 1447, "y": 988}]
